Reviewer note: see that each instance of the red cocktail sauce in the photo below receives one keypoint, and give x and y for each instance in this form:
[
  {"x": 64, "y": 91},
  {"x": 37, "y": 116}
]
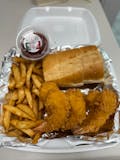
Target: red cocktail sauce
[{"x": 34, "y": 45}]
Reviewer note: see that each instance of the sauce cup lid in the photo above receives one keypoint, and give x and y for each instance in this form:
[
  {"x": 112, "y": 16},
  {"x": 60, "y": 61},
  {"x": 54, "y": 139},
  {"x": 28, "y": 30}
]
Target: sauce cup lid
[{"x": 31, "y": 44}]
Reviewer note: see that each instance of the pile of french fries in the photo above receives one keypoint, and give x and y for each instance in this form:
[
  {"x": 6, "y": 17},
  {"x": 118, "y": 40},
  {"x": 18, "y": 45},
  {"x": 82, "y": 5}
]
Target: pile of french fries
[{"x": 22, "y": 109}]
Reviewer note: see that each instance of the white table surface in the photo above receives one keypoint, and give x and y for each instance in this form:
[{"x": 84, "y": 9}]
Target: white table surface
[{"x": 11, "y": 13}]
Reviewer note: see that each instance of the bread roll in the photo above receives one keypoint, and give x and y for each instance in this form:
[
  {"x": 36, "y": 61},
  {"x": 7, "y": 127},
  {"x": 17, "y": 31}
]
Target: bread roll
[{"x": 74, "y": 67}]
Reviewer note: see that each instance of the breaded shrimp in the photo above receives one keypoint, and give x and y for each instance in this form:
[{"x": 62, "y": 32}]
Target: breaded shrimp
[
  {"x": 97, "y": 117},
  {"x": 78, "y": 109},
  {"x": 57, "y": 108},
  {"x": 91, "y": 99},
  {"x": 108, "y": 125},
  {"x": 45, "y": 88}
]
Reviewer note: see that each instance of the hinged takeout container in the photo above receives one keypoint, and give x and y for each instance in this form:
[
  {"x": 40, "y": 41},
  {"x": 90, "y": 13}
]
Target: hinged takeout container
[
  {"x": 66, "y": 27},
  {"x": 63, "y": 25}
]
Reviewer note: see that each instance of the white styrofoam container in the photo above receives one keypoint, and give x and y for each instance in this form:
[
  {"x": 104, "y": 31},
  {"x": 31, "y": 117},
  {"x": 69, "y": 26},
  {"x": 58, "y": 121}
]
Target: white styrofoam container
[{"x": 63, "y": 25}]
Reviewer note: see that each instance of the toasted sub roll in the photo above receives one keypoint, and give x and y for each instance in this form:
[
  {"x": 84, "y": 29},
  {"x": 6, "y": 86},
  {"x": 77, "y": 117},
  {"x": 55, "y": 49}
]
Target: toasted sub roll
[{"x": 74, "y": 67}]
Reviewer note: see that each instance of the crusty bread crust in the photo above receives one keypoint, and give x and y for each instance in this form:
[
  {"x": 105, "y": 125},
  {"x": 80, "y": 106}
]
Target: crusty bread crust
[{"x": 79, "y": 65}]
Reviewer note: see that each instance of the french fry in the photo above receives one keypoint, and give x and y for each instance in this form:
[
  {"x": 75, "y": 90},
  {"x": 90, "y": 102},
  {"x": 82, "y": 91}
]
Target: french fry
[
  {"x": 40, "y": 115},
  {"x": 11, "y": 101},
  {"x": 19, "y": 74},
  {"x": 16, "y": 73},
  {"x": 11, "y": 82},
  {"x": 29, "y": 97},
  {"x": 35, "y": 91},
  {"x": 14, "y": 133},
  {"x": 16, "y": 111},
  {"x": 22, "y": 111},
  {"x": 11, "y": 128},
  {"x": 38, "y": 65},
  {"x": 7, "y": 116},
  {"x": 24, "y": 139},
  {"x": 25, "y": 101},
  {"x": 1, "y": 119},
  {"x": 29, "y": 73},
  {"x": 21, "y": 95},
  {"x": 38, "y": 71},
  {"x": 25, "y": 124},
  {"x": 11, "y": 96},
  {"x": 19, "y": 60},
  {"x": 41, "y": 106},
  {"x": 41, "y": 79},
  {"x": 23, "y": 73},
  {"x": 35, "y": 106},
  {"x": 14, "y": 96},
  {"x": 36, "y": 81},
  {"x": 6, "y": 119},
  {"x": 36, "y": 138},
  {"x": 29, "y": 132},
  {"x": 8, "y": 96},
  {"x": 27, "y": 109}
]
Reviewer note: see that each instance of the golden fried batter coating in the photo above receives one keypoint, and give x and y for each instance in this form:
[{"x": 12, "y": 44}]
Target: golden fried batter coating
[
  {"x": 45, "y": 88},
  {"x": 57, "y": 108},
  {"x": 91, "y": 98},
  {"x": 97, "y": 117},
  {"x": 78, "y": 109},
  {"x": 108, "y": 125}
]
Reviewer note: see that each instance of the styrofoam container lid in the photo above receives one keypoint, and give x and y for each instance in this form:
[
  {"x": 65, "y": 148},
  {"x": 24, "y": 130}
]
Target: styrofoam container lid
[
  {"x": 30, "y": 43},
  {"x": 64, "y": 25}
]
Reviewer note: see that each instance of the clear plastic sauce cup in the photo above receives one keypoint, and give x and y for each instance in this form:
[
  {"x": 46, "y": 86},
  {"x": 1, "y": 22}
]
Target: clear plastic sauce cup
[{"x": 31, "y": 44}]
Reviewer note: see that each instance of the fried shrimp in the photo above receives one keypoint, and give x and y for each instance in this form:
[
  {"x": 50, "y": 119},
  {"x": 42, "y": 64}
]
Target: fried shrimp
[
  {"x": 78, "y": 109},
  {"x": 91, "y": 99},
  {"x": 108, "y": 125},
  {"x": 98, "y": 116},
  {"x": 57, "y": 108},
  {"x": 45, "y": 88}
]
